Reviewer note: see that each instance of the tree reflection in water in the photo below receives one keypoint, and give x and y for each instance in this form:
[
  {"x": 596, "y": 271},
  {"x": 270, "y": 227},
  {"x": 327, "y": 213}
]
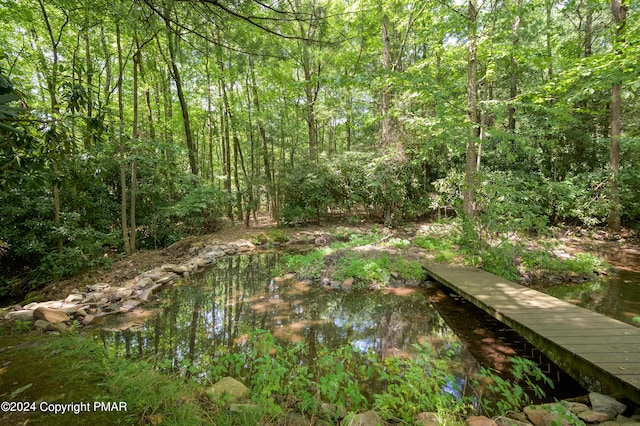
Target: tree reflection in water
[{"x": 214, "y": 313}]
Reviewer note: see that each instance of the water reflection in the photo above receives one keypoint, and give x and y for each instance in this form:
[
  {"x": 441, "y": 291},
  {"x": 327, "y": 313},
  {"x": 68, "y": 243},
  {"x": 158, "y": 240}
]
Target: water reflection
[
  {"x": 616, "y": 297},
  {"x": 214, "y": 313}
]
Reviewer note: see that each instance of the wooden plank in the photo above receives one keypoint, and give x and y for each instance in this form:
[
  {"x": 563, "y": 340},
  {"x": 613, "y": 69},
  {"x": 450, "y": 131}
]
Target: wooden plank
[{"x": 582, "y": 342}]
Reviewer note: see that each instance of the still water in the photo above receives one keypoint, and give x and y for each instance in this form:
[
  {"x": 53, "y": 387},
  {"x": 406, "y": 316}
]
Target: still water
[
  {"x": 616, "y": 296},
  {"x": 214, "y": 313}
]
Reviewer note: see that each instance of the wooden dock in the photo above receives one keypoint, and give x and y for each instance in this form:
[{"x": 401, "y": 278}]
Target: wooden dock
[{"x": 587, "y": 345}]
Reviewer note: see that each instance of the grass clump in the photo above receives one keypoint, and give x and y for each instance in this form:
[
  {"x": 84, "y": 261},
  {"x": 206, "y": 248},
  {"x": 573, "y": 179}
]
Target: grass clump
[{"x": 442, "y": 247}]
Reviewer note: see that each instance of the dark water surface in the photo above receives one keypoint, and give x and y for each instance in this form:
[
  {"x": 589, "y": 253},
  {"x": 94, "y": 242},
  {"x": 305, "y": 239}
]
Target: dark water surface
[{"x": 214, "y": 313}]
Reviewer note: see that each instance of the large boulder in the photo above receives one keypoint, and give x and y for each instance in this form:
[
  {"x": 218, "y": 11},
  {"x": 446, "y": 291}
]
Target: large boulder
[
  {"x": 51, "y": 316},
  {"x": 21, "y": 315},
  {"x": 546, "y": 415},
  {"x": 606, "y": 404},
  {"x": 228, "y": 388}
]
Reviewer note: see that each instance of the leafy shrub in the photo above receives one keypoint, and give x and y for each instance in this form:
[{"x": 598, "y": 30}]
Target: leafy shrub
[{"x": 508, "y": 394}]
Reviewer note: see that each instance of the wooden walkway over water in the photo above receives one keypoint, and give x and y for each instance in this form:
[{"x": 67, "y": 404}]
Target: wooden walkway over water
[{"x": 583, "y": 343}]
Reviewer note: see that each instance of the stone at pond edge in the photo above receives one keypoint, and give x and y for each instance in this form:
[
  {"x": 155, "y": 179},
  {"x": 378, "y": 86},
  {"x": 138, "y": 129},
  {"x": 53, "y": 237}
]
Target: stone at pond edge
[
  {"x": 368, "y": 418},
  {"x": 507, "y": 421},
  {"x": 546, "y": 415},
  {"x": 50, "y": 315},
  {"x": 229, "y": 386},
  {"x": 22, "y": 315},
  {"x": 592, "y": 416},
  {"x": 427, "y": 419},
  {"x": 606, "y": 404},
  {"x": 44, "y": 325},
  {"x": 347, "y": 284},
  {"x": 480, "y": 421}
]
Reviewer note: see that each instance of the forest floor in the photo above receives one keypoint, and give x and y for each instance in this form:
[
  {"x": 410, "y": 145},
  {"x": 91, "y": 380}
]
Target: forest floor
[{"x": 616, "y": 249}]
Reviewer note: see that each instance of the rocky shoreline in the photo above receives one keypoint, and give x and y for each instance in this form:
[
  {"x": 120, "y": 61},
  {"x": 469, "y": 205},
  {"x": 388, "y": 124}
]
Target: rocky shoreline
[{"x": 82, "y": 307}]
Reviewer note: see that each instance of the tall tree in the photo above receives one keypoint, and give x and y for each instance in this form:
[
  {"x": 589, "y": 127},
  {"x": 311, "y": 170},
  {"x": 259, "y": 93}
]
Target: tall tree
[
  {"x": 619, "y": 10},
  {"x": 472, "y": 109}
]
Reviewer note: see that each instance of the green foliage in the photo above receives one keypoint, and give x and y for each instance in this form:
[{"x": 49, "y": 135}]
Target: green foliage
[
  {"x": 442, "y": 246},
  {"x": 366, "y": 269},
  {"x": 310, "y": 264},
  {"x": 198, "y": 212},
  {"x": 509, "y": 393},
  {"x": 418, "y": 385}
]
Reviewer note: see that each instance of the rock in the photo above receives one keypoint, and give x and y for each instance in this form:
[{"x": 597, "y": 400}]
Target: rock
[
  {"x": 97, "y": 287},
  {"x": 546, "y": 415},
  {"x": 31, "y": 306},
  {"x": 347, "y": 284},
  {"x": 129, "y": 305},
  {"x": 145, "y": 294},
  {"x": 427, "y": 419},
  {"x": 61, "y": 327},
  {"x": 21, "y": 315},
  {"x": 335, "y": 284},
  {"x": 591, "y": 416},
  {"x": 93, "y": 297},
  {"x": 368, "y": 418},
  {"x": 167, "y": 278},
  {"x": 507, "y": 421},
  {"x": 606, "y": 404},
  {"x": 178, "y": 269},
  {"x": 50, "y": 315},
  {"x": 202, "y": 261},
  {"x": 70, "y": 308},
  {"x": 480, "y": 421},
  {"x": 233, "y": 389},
  {"x": 88, "y": 319},
  {"x": 74, "y": 298},
  {"x": 332, "y": 411},
  {"x": 143, "y": 282},
  {"x": 245, "y": 246},
  {"x": 43, "y": 325},
  {"x": 154, "y": 275},
  {"x": 577, "y": 407}
]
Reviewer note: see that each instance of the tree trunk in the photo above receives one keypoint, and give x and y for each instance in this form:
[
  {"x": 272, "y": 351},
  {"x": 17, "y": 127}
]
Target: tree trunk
[
  {"x": 619, "y": 10},
  {"x": 123, "y": 173},
  {"x": 135, "y": 135},
  {"x": 472, "y": 113},
  {"x": 175, "y": 73},
  {"x": 52, "y": 87},
  {"x": 513, "y": 71},
  {"x": 386, "y": 127}
]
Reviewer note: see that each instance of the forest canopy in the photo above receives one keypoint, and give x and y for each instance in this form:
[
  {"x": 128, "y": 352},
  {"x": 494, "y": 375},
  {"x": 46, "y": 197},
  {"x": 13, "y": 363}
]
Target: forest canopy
[{"x": 128, "y": 125}]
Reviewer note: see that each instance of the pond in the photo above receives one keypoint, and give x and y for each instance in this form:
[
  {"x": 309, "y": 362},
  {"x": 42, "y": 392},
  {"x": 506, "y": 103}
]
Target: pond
[{"x": 213, "y": 313}]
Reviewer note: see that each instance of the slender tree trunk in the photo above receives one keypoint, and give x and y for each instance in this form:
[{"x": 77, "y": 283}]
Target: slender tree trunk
[
  {"x": 123, "y": 173},
  {"x": 513, "y": 72},
  {"x": 135, "y": 135},
  {"x": 472, "y": 112},
  {"x": 88, "y": 135},
  {"x": 263, "y": 136},
  {"x": 175, "y": 73},
  {"x": 619, "y": 10},
  {"x": 386, "y": 128},
  {"x": 52, "y": 87}
]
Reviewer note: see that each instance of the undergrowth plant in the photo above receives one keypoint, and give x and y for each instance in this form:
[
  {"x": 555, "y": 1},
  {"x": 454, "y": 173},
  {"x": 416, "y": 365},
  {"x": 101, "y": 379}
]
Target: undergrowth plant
[{"x": 509, "y": 394}]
